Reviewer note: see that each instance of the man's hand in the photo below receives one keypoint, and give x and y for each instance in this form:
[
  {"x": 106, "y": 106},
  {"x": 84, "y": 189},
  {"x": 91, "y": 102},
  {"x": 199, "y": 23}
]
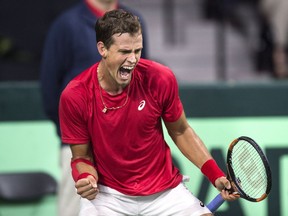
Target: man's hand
[
  {"x": 87, "y": 187},
  {"x": 223, "y": 185}
]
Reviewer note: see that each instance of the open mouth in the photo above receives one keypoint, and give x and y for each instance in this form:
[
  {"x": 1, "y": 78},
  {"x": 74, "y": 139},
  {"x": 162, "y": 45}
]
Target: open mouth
[{"x": 125, "y": 72}]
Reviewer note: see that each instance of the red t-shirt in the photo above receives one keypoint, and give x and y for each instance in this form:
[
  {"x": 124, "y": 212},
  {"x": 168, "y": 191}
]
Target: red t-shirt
[{"x": 129, "y": 149}]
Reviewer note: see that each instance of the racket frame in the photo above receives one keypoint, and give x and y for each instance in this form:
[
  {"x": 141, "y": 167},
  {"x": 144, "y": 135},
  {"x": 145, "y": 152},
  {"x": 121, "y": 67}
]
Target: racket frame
[{"x": 233, "y": 179}]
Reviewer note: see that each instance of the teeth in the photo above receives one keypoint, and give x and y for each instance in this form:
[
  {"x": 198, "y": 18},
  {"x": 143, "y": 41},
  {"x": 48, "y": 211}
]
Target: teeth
[{"x": 127, "y": 68}]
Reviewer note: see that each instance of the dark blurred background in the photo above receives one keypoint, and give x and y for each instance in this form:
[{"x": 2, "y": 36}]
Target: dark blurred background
[
  {"x": 201, "y": 40},
  {"x": 23, "y": 26},
  {"x": 222, "y": 50}
]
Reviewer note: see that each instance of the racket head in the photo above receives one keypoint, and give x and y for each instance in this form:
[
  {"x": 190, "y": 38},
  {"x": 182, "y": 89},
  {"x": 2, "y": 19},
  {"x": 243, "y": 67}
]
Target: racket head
[{"x": 248, "y": 169}]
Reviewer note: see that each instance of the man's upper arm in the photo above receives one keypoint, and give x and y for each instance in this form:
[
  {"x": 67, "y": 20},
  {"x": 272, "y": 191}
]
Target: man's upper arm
[
  {"x": 178, "y": 127},
  {"x": 80, "y": 151}
]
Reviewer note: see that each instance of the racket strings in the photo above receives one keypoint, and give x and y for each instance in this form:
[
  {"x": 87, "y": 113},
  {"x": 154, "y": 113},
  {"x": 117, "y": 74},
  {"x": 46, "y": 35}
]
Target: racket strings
[{"x": 249, "y": 170}]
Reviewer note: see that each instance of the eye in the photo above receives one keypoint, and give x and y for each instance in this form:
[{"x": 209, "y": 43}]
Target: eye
[
  {"x": 125, "y": 52},
  {"x": 138, "y": 51}
]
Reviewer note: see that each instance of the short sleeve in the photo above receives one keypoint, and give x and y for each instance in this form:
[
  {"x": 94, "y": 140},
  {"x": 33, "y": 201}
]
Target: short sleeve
[
  {"x": 72, "y": 115},
  {"x": 169, "y": 96}
]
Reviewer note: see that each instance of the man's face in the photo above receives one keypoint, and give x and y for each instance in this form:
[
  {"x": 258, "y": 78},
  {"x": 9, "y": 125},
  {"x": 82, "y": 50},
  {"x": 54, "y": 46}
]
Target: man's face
[{"x": 122, "y": 57}]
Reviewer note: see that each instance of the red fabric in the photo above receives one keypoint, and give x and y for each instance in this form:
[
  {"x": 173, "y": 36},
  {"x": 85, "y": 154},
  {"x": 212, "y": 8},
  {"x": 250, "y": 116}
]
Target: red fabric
[
  {"x": 129, "y": 151},
  {"x": 211, "y": 170},
  {"x": 96, "y": 11},
  {"x": 75, "y": 174},
  {"x": 85, "y": 175}
]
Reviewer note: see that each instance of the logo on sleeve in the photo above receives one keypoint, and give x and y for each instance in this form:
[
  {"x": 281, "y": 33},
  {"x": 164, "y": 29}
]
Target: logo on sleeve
[{"x": 141, "y": 105}]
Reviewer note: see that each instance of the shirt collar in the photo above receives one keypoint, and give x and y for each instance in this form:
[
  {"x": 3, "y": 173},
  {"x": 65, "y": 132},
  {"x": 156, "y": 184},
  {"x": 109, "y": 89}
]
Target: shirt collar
[{"x": 96, "y": 11}]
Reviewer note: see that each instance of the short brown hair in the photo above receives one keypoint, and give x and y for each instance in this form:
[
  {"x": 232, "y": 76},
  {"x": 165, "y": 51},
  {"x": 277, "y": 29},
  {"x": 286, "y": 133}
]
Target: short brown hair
[{"x": 116, "y": 22}]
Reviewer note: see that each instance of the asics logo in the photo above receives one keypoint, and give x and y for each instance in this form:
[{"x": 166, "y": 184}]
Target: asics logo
[
  {"x": 141, "y": 105},
  {"x": 201, "y": 204}
]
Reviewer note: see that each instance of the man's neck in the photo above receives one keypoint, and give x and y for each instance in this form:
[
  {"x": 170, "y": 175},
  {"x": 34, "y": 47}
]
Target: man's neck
[{"x": 103, "y": 5}]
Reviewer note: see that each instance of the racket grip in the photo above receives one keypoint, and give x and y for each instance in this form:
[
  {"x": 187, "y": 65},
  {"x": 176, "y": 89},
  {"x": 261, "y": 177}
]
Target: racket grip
[{"x": 215, "y": 203}]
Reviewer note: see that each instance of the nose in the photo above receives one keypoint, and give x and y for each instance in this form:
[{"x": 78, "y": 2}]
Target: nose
[{"x": 132, "y": 58}]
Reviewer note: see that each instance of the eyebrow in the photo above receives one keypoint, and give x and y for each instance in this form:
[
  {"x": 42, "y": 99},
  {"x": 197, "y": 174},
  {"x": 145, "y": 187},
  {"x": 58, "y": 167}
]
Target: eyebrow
[{"x": 129, "y": 50}]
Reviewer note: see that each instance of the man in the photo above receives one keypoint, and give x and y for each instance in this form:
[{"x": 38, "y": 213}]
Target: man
[
  {"x": 276, "y": 14},
  {"x": 70, "y": 48},
  {"x": 111, "y": 116}
]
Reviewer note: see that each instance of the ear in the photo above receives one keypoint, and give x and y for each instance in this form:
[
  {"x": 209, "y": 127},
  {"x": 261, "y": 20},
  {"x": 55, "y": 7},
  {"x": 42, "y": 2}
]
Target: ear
[{"x": 102, "y": 49}]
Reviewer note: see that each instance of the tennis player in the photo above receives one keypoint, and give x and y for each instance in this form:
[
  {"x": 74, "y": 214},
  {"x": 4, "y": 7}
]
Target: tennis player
[{"x": 111, "y": 115}]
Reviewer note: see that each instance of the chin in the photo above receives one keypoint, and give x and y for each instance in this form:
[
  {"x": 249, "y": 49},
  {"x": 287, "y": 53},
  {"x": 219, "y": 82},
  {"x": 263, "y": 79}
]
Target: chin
[{"x": 124, "y": 83}]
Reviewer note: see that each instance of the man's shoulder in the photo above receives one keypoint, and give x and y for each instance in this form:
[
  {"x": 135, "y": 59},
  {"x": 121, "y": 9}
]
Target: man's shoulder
[
  {"x": 131, "y": 10},
  {"x": 154, "y": 75},
  {"x": 83, "y": 80},
  {"x": 87, "y": 74},
  {"x": 151, "y": 64},
  {"x": 153, "y": 68},
  {"x": 69, "y": 16}
]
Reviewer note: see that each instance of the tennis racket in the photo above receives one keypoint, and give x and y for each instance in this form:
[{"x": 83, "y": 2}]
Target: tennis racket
[{"x": 248, "y": 171}]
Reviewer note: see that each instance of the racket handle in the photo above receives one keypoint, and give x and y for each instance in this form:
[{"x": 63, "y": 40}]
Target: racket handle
[{"x": 215, "y": 203}]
